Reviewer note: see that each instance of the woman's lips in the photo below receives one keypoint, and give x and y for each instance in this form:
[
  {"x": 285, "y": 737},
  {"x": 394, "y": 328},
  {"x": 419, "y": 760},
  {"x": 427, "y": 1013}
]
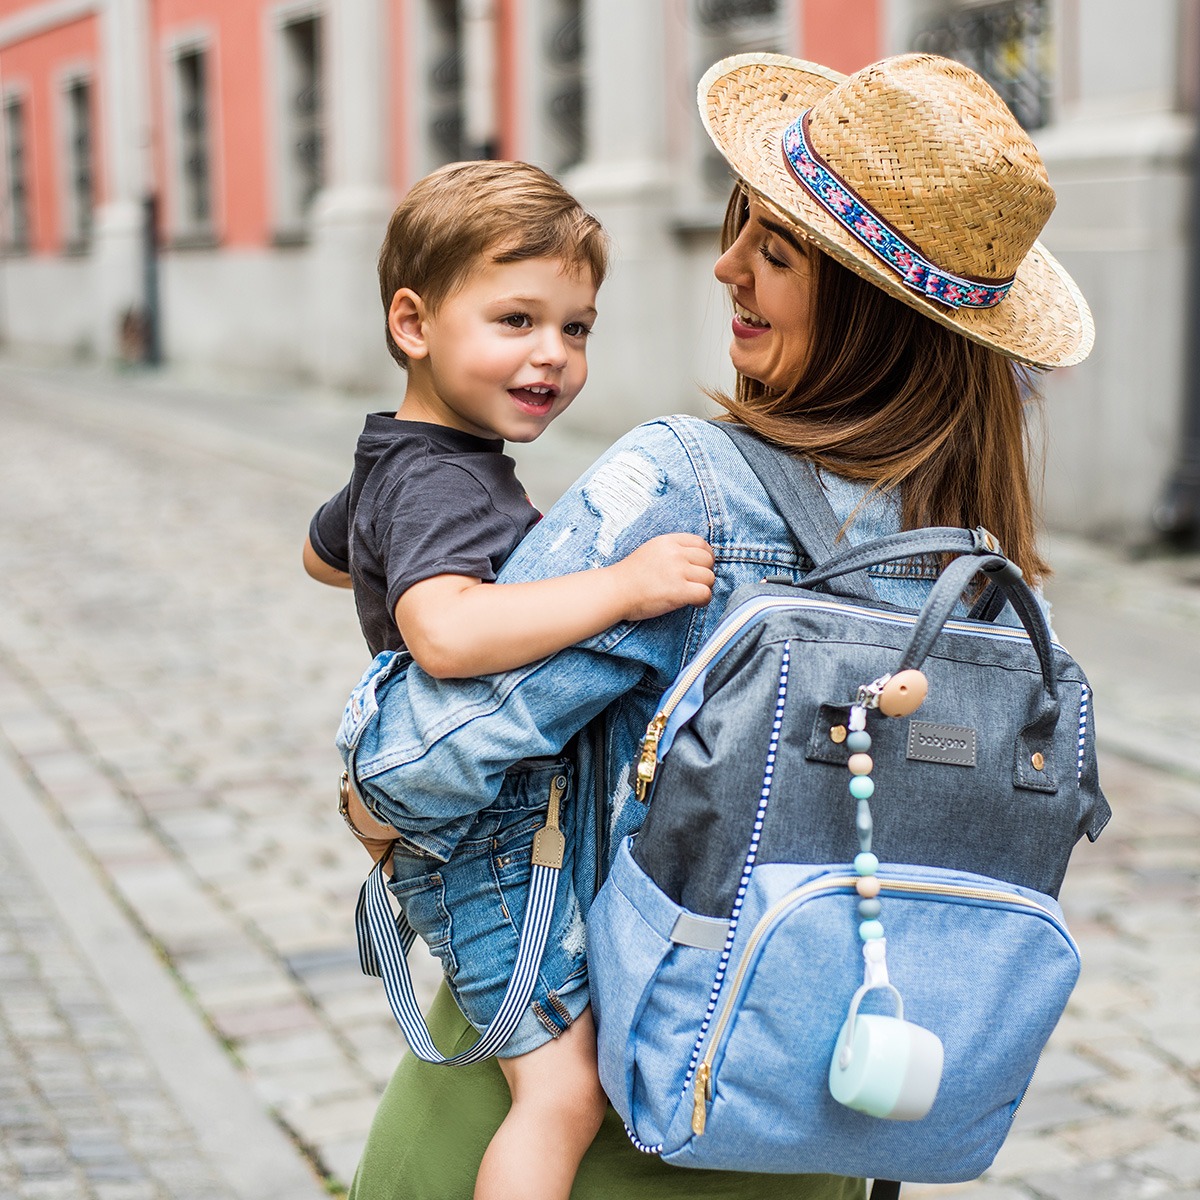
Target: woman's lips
[{"x": 743, "y": 329}]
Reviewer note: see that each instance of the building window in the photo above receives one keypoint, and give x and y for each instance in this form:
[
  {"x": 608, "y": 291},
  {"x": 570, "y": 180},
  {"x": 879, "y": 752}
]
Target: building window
[
  {"x": 562, "y": 72},
  {"x": 303, "y": 121},
  {"x": 445, "y": 118},
  {"x": 194, "y": 214},
  {"x": 80, "y": 190},
  {"x": 1009, "y": 43},
  {"x": 718, "y": 28},
  {"x": 17, "y": 172}
]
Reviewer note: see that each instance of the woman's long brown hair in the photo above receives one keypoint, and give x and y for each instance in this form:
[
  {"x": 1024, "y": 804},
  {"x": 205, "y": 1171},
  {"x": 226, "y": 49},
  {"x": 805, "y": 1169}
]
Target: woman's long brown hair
[{"x": 891, "y": 398}]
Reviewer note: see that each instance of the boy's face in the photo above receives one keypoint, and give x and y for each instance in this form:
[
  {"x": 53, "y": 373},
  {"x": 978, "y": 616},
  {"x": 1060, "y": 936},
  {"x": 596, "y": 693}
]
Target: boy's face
[{"x": 506, "y": 353}]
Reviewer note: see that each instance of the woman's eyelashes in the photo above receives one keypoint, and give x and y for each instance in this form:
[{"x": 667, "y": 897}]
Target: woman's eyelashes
[{"x": 765, "y": 250}]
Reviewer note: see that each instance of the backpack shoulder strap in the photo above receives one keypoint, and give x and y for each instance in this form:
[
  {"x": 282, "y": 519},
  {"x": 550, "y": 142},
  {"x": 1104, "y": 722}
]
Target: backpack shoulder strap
[{"x": 792, "y": 485}]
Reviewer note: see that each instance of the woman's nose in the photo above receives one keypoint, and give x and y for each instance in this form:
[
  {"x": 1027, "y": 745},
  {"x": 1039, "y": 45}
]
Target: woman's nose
[{"x": 731, "y": 267}]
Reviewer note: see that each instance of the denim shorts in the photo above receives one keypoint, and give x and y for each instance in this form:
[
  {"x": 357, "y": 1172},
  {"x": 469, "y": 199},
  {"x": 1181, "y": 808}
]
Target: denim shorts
[{"x": 469, "y": 910}]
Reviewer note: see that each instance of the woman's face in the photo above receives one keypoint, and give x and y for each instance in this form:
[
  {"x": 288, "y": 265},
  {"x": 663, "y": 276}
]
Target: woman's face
[{"x": 771, "y": 275}]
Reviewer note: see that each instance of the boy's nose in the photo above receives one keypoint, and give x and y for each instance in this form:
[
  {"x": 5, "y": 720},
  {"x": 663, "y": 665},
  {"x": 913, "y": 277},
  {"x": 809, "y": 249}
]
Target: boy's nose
[{"x": 551, "y": 351}]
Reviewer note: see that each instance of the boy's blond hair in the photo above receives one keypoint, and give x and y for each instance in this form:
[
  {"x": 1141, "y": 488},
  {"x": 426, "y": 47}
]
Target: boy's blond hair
[{"x": 506, "y": 211}]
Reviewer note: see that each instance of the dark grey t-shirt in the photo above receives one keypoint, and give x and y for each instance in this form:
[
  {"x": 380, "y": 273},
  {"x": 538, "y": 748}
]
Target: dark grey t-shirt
[{"x": 423, "y": 500}]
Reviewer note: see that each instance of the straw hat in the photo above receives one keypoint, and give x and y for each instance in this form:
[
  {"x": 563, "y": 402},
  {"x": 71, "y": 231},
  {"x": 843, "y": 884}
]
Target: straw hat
[{"x": 914, "y": 174}]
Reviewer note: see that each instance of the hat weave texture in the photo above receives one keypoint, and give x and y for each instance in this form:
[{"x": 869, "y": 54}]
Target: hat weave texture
[{"x": 932, "y": 151}]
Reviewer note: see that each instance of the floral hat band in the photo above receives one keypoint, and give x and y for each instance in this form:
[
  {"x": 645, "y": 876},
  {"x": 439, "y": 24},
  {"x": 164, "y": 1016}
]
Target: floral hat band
[{"x": 855, "y": 215}]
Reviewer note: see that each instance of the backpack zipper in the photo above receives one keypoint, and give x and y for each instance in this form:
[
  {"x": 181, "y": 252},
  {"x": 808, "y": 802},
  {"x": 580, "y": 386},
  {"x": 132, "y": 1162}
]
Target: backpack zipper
[
  {"x": 735, "y": 624},
  {"x": 704, "y": 1078}
]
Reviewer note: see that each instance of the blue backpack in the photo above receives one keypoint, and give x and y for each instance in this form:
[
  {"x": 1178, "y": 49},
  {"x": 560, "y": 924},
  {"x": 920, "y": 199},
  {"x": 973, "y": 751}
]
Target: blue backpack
[{"x": 834, "y": 945}]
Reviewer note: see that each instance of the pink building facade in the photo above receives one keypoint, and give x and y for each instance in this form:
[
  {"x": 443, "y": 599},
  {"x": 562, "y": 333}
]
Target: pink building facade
[{"x": 264, "y": 143}]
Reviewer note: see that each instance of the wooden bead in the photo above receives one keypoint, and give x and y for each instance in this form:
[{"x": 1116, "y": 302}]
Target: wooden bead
[
  {"x": 903, "y": 694},
  {"x": 868, "y": 887},
  {"x": 860, "y": 764}
]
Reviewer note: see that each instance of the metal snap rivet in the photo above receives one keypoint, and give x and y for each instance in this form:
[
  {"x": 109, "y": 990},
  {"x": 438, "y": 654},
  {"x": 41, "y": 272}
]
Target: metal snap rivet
[
  {"x": 838, "y": 734},
  {"x": 560, "y": 781},
  {"x": 1038, "y": 760}
]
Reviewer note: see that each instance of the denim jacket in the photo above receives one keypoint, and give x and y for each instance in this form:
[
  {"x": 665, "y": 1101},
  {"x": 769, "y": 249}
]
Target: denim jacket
[{"x": 429, "y": 755}]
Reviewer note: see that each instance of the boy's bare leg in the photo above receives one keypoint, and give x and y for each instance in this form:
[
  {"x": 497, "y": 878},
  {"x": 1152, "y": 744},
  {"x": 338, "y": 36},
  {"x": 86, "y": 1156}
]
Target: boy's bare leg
[{"x": 557, "y": 1108}]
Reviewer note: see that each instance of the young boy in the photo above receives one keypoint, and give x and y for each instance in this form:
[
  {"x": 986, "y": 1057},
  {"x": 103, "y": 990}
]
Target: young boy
[{"x": 488, "y": 275}]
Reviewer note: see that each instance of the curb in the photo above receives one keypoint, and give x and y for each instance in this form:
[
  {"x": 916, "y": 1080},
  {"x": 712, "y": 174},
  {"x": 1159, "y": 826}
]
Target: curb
[{"x": 245, "y": 1148}]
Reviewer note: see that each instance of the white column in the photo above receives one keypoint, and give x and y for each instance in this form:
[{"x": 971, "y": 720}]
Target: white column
[
  {"x": 117, "y": 255},
  {"x": 1118, "y": 158},
  {"x": 478, "y": 25},
  {"x": 350, "y": 214},
  {"x": 636, "y": 367}
]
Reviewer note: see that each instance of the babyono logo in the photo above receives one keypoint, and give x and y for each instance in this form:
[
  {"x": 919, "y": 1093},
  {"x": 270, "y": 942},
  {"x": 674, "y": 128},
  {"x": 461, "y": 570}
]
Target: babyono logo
[{"x": 950, "y": 744}]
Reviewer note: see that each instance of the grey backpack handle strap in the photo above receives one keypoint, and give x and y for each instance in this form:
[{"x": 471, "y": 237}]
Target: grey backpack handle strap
[{"x": 793, "y": 488}]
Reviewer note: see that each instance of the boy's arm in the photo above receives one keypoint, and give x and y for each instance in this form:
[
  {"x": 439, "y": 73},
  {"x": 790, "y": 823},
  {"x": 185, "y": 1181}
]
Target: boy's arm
[
  {"x": 320, "y": 570},
  {"x": 456, "y": 626}
]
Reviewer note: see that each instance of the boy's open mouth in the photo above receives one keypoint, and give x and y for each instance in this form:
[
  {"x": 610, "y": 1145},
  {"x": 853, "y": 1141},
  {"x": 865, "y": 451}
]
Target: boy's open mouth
[{"x": 535, "y": 399}]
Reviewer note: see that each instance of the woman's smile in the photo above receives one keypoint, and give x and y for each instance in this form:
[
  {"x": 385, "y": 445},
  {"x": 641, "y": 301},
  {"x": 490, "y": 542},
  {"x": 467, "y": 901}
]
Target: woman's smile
[{"x": 747, "y": 324}]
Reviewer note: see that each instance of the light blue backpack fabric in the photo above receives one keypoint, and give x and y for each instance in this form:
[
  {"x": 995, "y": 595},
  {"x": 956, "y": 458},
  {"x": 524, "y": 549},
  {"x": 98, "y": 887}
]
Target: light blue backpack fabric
[{"x": 727, "y": 944}]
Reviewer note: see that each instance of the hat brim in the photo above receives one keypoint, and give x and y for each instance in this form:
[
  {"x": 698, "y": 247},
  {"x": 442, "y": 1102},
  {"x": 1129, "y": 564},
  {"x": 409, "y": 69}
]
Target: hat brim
[{"x": 746, "y": 103}]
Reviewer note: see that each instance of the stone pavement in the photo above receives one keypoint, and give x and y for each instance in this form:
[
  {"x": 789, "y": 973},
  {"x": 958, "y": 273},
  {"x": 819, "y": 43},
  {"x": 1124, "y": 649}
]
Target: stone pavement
[{"x": 169, "y": 685}]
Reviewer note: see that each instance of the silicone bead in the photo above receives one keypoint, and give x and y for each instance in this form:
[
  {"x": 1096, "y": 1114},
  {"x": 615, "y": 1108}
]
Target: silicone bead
[
  {"x": 868, "y": 909},
  {"x": 868, "y": 886},
  {"x": 859, "y": 742},
  {"x": 861, "y": 787},
  {"x": 860, "y": 764},
  {"x": 903, "y": 694},
  {"x": 865, "y": 863},
  {"x": 870, "y": 931}
]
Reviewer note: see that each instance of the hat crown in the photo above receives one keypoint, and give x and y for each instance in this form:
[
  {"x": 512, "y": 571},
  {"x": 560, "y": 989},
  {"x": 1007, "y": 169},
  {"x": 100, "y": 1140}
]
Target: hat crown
[{"x": 935, "y": 152}]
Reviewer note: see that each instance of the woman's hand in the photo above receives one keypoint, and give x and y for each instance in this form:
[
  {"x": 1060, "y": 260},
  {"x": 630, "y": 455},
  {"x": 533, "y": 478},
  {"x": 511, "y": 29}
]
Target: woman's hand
[{"x": 667, "y": 572}]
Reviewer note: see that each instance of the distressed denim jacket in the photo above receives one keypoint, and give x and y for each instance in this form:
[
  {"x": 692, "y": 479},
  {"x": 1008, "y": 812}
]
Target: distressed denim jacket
[{"x": 429, "y": 755}]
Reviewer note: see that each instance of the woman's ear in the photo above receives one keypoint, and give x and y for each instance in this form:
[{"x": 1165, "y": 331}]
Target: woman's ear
[{"x": 406, "y": 322}]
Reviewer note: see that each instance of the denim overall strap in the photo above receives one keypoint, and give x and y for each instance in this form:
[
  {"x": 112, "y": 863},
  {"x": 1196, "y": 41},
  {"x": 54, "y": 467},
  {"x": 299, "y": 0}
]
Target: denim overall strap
[
  {"x": 384, "y": 939},
  {"x": 793, "y": 488},
  {"x": 383, "y": 943}
]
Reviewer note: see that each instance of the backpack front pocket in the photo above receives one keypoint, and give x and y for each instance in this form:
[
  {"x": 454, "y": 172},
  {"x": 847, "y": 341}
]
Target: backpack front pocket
[{"x": 984, "y": 965}]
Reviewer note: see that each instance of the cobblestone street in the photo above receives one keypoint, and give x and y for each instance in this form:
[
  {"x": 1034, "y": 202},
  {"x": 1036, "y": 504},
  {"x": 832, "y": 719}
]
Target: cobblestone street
[{"x": 169, "y": 686}]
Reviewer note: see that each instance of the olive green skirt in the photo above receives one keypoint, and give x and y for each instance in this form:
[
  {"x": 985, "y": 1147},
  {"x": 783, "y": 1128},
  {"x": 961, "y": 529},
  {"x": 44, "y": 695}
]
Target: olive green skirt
[{"x": 434, "y": 1123}]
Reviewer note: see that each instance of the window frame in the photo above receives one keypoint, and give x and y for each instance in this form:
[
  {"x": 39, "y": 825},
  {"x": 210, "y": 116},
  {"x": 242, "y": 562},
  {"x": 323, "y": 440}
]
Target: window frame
[{"x": 291, "y": 213}]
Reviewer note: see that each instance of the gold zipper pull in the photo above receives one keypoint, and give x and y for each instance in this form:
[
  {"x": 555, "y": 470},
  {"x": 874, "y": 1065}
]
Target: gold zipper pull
[
  {"x": 648, "y": 763},
  {"x": 700, "y": 1100}
]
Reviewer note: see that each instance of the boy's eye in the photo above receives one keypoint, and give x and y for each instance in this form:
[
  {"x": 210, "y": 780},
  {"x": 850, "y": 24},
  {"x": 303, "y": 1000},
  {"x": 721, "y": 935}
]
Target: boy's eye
[
  {"x": 517, "y": 321},
  {"x": 576, "y": 329}
]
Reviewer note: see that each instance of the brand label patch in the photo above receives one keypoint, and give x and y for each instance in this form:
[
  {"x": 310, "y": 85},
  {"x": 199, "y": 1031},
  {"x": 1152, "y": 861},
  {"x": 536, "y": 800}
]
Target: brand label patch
[{"x": 953, "y": 744}]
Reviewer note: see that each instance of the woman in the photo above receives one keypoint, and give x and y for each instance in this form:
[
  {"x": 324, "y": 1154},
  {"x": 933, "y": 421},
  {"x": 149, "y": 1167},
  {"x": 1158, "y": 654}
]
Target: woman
[{"x": 880, "y": 251}]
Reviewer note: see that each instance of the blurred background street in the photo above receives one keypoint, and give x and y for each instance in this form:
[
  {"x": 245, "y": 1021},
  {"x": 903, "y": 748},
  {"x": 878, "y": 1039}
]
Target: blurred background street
[{"x": 181, "y": 1011}]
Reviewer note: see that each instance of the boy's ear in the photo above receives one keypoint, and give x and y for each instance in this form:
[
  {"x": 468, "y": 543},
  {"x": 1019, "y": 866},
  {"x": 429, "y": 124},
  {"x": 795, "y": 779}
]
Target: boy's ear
[{"x": 406, "y": 322}]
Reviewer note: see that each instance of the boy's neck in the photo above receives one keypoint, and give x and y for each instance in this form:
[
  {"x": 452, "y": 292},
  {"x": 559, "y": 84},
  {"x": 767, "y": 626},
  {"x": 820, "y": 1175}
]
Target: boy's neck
[{"x": 422, "y": 403}]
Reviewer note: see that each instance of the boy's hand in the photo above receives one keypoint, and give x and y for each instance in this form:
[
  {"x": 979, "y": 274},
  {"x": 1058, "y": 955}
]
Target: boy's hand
[{"x": 666, "y": 573}]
